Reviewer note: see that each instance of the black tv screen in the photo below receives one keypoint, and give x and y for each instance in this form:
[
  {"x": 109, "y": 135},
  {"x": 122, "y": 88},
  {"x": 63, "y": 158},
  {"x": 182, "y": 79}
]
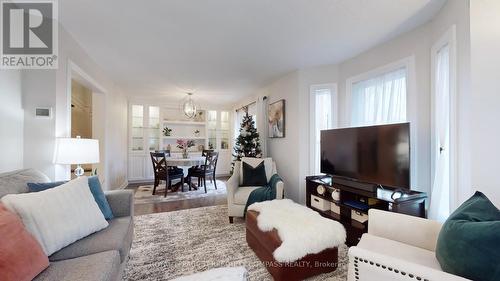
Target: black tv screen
[{"x": 374, "y": 154}]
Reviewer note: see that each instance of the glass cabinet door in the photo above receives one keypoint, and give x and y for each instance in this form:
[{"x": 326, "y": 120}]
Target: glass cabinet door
[
  {"x": 224, "y": 130},
  {"x": 137, "y": 143},
  {"x": 153, "y": 128},
  {"x": 212, "y": 129}
]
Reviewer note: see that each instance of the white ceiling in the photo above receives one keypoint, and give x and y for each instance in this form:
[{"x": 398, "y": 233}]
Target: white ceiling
[{"x": 225, "y": 49}]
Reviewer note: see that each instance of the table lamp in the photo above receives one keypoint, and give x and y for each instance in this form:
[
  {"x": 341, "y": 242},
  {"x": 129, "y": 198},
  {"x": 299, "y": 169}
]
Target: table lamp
[{"x": 77, "y": 151}]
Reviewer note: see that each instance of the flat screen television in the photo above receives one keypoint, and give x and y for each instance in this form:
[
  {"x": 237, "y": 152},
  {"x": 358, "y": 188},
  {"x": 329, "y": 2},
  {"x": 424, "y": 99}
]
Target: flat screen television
[{"x": 373, "y": 154}]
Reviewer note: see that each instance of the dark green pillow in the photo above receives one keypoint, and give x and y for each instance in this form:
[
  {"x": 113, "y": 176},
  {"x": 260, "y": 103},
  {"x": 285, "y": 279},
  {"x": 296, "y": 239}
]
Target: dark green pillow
[
  {"x": 469, "y": 242},
  {"x": 254, "y": 176}
]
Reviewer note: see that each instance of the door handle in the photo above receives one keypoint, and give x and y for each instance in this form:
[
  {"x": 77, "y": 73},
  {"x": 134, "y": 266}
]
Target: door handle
[{"x": 441, "y": 149}]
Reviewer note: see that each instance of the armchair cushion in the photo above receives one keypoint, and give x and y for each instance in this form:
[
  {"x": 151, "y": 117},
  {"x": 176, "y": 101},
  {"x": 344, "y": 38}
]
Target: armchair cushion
[
  {"x": 254, "y": 176},
  {"x": 242, "y": 193},
  {"x": 468, "y": 242}
]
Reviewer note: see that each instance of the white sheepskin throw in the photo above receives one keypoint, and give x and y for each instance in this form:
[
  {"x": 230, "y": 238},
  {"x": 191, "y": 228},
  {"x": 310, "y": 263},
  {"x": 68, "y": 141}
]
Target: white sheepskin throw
[
  {"x": 301, "y": 230},
  {"x": 58, "y": 216}
]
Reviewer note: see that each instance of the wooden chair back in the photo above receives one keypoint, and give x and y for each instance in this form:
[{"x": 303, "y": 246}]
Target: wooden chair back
[
  {"x": 159, "y": 163},
  {"x": 211, "y": 158}
]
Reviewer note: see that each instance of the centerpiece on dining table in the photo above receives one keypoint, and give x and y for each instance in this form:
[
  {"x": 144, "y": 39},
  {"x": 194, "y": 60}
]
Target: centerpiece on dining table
[{"x": 184, "y": 144}]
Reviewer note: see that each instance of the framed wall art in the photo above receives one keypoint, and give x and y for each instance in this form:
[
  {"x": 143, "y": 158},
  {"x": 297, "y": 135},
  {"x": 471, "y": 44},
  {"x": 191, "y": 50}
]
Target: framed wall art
[{"x": 276, "y": 119}]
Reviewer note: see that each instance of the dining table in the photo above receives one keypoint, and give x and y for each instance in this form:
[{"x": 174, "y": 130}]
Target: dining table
[{"x": 188, "y": 162}]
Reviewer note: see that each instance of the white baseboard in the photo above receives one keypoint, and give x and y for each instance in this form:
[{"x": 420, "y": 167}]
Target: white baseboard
[{"x": 144, "y": 181}]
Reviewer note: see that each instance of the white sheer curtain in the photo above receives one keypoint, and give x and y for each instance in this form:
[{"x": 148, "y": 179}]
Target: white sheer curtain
[
  {"x": 261, "y": 121},
  {"x": 323, "y": 120},
  {"x": 379, "y": 100},
  {"x": 439, "y": 208},
  {"x": 238, "y": 118}
]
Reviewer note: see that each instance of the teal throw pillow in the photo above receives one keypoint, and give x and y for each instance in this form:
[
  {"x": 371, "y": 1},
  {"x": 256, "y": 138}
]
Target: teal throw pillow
[
  {"x": 95, "y": 189},
  {"x": 469, "y": 241}
]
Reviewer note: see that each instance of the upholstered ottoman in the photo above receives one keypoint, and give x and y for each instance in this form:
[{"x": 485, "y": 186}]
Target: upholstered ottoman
[{"x": 292, "y": 264}]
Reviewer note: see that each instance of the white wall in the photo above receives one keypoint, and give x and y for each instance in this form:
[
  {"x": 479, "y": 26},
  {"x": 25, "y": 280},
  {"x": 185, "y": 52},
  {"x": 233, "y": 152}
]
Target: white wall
[
  {"x": 38, "y": 87},
  {"x": 292, "y": 153},
  {"x": 98, "y": 127},
  {"x": 457, "y": 13},
  {"x": 485, "y": 96},
  {"x": 285, "y": 151},
  {"x": 51, "y": 88},
  {"x": 415, "y": 46},
  {"x": 323, "y": 74},
  {"x": 12, "y": 118}
]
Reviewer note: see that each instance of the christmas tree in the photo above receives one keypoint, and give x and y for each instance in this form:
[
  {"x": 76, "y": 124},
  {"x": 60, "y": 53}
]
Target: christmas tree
[{"x": 247, "y": 144}]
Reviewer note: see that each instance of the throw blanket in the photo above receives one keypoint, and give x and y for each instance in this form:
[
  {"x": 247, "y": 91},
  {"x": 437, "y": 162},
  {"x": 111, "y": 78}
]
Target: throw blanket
[
  {"x": 301, "y": 230},
  {"x": 263, "y": 193}
]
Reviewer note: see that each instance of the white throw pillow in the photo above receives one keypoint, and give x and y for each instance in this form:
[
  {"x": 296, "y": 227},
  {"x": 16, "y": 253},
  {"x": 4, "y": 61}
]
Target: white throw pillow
[
  {"x": 254, "y": 162},
  {"x": 58, "y": 216}
]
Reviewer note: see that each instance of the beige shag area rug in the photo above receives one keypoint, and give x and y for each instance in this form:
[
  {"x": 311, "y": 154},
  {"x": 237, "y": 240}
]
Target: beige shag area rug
[{"x": 173, "y": 244}]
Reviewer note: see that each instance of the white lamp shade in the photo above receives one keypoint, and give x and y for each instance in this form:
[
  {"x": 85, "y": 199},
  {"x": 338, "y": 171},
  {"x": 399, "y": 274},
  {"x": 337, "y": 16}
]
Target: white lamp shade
[{"x": 76, "y": 151}]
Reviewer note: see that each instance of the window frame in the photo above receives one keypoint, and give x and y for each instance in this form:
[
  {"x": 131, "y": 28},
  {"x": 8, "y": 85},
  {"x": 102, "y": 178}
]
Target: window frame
[
  {"x": 447, "y": 38},
  {"x": 411, "y": 106},
  {"x": 312, "y": 117}
]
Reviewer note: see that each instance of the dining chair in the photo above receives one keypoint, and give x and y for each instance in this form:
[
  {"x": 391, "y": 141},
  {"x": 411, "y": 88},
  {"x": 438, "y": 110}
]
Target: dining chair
[
  {"x": 204, "y": 153},
  {"x": 207, "y": 170},
  {"x": 168, "y": 154},
  {"x": 164, "y": 172}
]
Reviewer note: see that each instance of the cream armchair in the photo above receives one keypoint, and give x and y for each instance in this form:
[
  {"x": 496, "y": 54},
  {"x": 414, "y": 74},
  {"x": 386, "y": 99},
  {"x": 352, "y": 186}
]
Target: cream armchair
[
  {"x": 237, "y": 196},
  {"x": 397, "y": 247}
]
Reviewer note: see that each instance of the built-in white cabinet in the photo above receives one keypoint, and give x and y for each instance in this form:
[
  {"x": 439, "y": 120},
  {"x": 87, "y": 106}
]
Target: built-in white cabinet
[
  {"x": 218, "y": 132},
  {"x": 144, "y": 136},
  {"x": 210, "y": 129}
]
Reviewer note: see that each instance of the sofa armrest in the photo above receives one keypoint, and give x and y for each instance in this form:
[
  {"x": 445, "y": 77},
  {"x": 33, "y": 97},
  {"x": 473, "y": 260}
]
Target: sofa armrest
[
  {"x": 121, "y": 202},
  {"x": 368, "y": 265},
  {"x": 415, "y": 231},
  {"x": 280, "y": 189},
  {"x": 233, "y": 182}
]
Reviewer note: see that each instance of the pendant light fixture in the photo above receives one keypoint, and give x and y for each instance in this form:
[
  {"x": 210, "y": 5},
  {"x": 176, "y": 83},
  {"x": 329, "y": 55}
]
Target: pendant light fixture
[{"x": 188, "y": 106}]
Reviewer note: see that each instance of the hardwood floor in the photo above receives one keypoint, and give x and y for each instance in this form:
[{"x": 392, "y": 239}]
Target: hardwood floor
[{"x": 143, "y": 209}]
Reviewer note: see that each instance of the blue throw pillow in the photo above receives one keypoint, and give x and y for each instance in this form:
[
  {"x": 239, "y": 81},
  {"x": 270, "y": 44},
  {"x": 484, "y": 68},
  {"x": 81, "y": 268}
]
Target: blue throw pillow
[
  {"x": 36, "y": 187},
  {"x": 100, "y": 198},
  {"x": 95, "y": 189}
]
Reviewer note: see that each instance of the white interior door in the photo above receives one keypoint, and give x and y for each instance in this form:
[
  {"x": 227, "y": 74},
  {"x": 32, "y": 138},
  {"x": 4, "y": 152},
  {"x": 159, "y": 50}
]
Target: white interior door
[{"x": 443, "y": 143}]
